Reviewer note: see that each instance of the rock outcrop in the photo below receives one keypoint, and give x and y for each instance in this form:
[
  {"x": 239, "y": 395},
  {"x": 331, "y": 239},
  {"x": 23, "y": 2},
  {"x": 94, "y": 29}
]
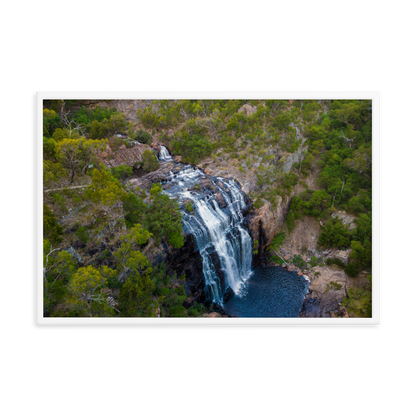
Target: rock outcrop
[
  {"x": 128, "y": 107},
  {"x": 347, "y": 220},
  {"x": 247, "y": 109},
  {"x": 267, "y": 221},
  {"x": 343, "y": 256},
  {"x": 128, "y": 156}
]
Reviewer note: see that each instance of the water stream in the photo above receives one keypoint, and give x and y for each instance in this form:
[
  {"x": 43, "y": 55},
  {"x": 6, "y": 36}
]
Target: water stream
[{"x": 212, "y": 209}]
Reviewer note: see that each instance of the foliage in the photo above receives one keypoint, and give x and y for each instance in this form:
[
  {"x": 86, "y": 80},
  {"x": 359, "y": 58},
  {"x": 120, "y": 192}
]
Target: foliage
[
  {"x": 52, "y": 173},
  {"x": 136, "y": 296},
  {"x": 315, "y": 204},
  {"x": 338, "y": 262},
  {"x": 192, "y": 148},
  {"x": 143, "y": 136},
  {"x": 277, "y": 241},
  {"x": 351, "y": 269},
  {"x": 51, "y": 229},
  {"x": 148, "y": 117},
  {"x": 122, "y": 172},
  {"x": 150, "y": 162},
  {"x": 84, "y": 287},
  {"x": 333, "y": 286},
  {"x": 105, "y": 189},
  {"x": 76, "y": 154},
  {"x": 85, "y": 116},
  {"x": 255, "y": 247},
  {"x": 126, "y": 253},
  {"x": 172, "y": 303},
  {"x": 135, "y": 210},
  {"x": 51, "y": 121},
  {"x": 58, "y": 267},
  {"x": 299, "y": 262},
  {"x": 358, "y": 302},
  {"x": 82, "y": 234},
  {"x": 48, "y": 147},
  {"x": 361, "y": 241},
  {"x": 334, "y": 234},
  {"x": 189, "y": 206},
  {"x": 196, "y": 310},
  {"x": 164, "y": 219},
  {"x": 362, "y": 253}
]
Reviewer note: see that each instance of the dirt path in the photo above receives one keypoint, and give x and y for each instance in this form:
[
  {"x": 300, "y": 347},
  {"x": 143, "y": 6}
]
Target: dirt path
[{"x": 61, "y": 189}]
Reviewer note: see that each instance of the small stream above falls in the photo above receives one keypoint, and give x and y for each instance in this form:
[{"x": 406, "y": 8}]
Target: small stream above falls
[{"x": 213, "y": 210}]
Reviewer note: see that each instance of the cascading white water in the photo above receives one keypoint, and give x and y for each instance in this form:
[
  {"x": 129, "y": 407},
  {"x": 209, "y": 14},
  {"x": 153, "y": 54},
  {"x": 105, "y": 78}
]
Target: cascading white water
[
  {"x": 164, "y": 154},
  {"x": 218, "y": 232}
]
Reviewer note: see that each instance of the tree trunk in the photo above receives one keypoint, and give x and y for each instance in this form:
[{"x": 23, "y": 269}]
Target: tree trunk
[{"x": 72, "y": 175}]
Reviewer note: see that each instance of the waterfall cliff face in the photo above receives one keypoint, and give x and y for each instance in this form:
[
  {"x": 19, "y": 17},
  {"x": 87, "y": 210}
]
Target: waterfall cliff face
[
  {"x": 213, "y": 209},
  {"x": 164, "y": 154}
]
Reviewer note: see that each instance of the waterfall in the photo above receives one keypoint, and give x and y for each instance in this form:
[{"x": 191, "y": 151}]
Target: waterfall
[
  {"x": 223, "y": 242},
  {"x": 164, "y": 154}
]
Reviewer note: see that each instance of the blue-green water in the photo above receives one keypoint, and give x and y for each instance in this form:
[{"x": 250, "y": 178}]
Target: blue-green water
[{"x": 271, "y": 292}]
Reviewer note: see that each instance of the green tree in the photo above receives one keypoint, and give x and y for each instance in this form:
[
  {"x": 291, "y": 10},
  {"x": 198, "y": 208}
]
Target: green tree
[
  {"x": 77, "y": 153},
  {"x": 135, "y": 210},
  {"x": 136, "y": 296},
  {"x": 48, "y": 147},
  {"x": 58, "y": 266},
  {"x": 334, "y": 234},
  {"x": 51, "y": 229},
  {"x": 122, "y": 172},
  {"x": 107, "y": 194},
  {"x": 143, "y": 136},
  {"x": 150, "y": 162},
  {"x": 361, "y": 160},
  {"x": 53, "y": 173},
  {"x": 51, "y": 121},
  {"x": 362, "y": 253},
  {"x": 85, "y": 288},
  {"x": 192, "y": 148},
  {"x": 148, "y": 117},
  {"x": 98, "y": 130},
  {"x": 127, "y": 255},
  {"x": 117, "y": 123},
  {"x": 164, "y": 219},
  {"x": 351, "y": 269}
]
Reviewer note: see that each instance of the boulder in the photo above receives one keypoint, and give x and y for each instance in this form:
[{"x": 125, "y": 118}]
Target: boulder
[
  {"x": 74, "y": 254},
  {"x": 343, "y": 312},
  {"x": 134, "y": 182},
  {"x": 220, "y": 199},
  {"x": 229, "y": 293},
  {"x": 214, "y": 315},
  {"x": 247, "y": 109},
  {"x": 343, "y": 256}
]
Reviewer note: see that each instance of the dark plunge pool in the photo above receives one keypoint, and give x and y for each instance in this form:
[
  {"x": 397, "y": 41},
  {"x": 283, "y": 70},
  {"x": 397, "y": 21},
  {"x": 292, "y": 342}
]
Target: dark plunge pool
[{"x": 270, "y": 292}]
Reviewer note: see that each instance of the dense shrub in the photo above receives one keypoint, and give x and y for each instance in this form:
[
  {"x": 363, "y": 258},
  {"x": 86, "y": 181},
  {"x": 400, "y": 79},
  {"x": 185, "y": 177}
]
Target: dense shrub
[
  {"x": 122, "y": 172},
  {"x": 143, "y": 136},
  {"x": 135, "y": 210},
  {"x": 82, "y": 234},
  {"x": 192, "y": 148},
  {"x": 51, "y": 229},
  {"x": 51, "y": 121},
  {"x": 351, "y": 269},
  {"x": 150, "y": 162},
  {"x": 334, "y": 234}
]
